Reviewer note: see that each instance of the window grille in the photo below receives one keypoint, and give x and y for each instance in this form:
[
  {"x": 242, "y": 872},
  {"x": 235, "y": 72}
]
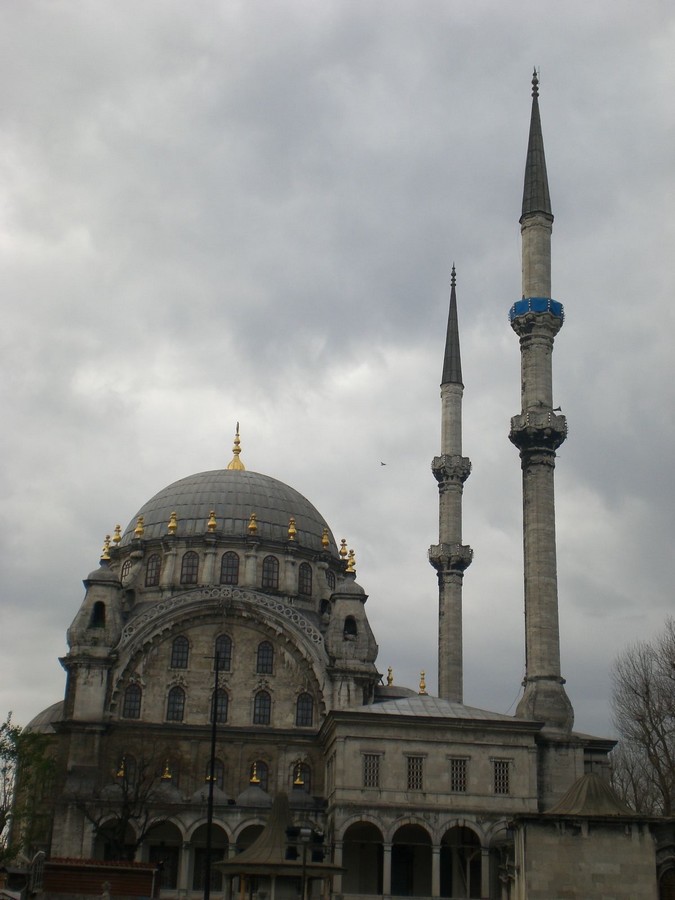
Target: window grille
[
  {"x": 152, "y": 570},
  {"x": 371, "y": 770},
  {"x": 229, "y": 568},
  {"x": 262, "y": 708},
  {"x": 304, "y": 710},
  {"x": 305, "y": 580},
  {"x": 501, "y": 771},
  {"x": 180, "y": 651},
  {"x": 458, "y": 771},
  {"x": 265, "y": 659},
  {"x": 270, "y": 573},
  {"x": 224, "y": 652},
  {"x": 220, "y": 703},
  {"x": 131, "y": 708},
  {"x": 175, "y": 706},
  {"x": 415, "y": 773},
  {"x": 189, "y": 569}
]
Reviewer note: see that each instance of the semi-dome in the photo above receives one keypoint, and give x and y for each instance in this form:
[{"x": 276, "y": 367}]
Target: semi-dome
[{"x": 233, "y": 494}]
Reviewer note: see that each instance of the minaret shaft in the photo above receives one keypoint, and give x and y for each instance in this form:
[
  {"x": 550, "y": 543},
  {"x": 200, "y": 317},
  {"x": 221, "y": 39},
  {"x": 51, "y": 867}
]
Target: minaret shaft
[
  {"x": 450, "y": 557},
  {"x": 537, "y": 432}
]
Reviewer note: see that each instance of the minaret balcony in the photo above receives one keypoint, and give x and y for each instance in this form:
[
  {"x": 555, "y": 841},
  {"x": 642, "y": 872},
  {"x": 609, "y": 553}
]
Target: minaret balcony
[
  {"x": 538, "y": 429},
  {"x": 450, "y": 557},
  {"x": 450, "y": 469}
]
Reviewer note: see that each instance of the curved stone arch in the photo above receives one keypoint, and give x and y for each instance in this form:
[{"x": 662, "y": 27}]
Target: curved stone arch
[
  {"x": 357, "y": 819},
  {"x": 159, "y": 819},
  {"x": 211, "y": 605},
  {"x": 202, "y": 822},
  {"x": 471, "y": 824},
  {"x": 408, "y": 820},
  {"x": 495, "y": 831},
  {"x": 247, "y": 823}
]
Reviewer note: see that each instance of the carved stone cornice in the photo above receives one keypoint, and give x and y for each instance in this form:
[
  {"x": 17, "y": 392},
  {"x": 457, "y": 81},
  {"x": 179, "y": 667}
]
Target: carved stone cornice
[
  {"x": 538, "y": 430},
  {"x": 450, "y": 558},
  {"x": 450, "y": 470}
]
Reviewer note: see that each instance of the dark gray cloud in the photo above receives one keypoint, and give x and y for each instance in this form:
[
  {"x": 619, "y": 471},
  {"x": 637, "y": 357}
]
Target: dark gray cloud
[{"x": 249, "y": 211}]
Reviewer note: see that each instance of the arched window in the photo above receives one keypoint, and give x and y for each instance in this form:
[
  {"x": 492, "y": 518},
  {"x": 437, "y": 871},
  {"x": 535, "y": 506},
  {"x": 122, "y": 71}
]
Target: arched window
[
  {"x": 97, "y": 615},
  {"x": 265, "y": 659},
  {"x": 270, "y": 573},
  {"x": 260, "y": 774},
  {"x": 229, "y": 568},
  {"x": 262, "y": 708},
  {"x": 305, "y": 580},
  {"x": 175, "y": 705},
  {"x": 126, "y": 568},
  {"x": 218, "y": 773},
  {"x": 131, "y": 708},
  {"x": 304, "y": 710},
  {"x": 189, "y": 569},
  {"x": 301, "y": 777},
  {"x": 330, "y": 579},
  {"x": 219, "y": 704},
  {"x": 180, "y": 652},
  {"x": 224, "y": 652},
  {"x": 152, "y": 570},
  {"x": 350, "y": 631}
]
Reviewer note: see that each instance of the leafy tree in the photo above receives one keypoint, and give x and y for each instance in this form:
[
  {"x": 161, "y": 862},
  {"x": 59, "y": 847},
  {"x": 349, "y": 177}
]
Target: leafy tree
[
  {"x": 643, "y": 702},
  {"x": 26, "y": 771}
]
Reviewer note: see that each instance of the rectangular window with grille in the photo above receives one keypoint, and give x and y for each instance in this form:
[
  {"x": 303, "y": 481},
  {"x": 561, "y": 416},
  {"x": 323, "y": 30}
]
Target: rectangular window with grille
[
  {"x": 501, "y": 771},
  {"x": 415, "y": 773},
  {"x": 371, "y": 770},
  {"x": 458, "y": 770}
]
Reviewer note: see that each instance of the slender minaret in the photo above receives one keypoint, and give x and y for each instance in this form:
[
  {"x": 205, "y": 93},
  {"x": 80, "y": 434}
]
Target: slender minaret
[
  {"x": 537, "y": 432},
  {"x": 450, "y": 557}
]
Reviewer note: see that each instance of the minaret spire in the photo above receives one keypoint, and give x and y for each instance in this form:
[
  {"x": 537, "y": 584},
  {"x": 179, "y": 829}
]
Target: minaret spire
[
  {"x": 537, "y": 432},
  {"x": 450, "y": 557}
]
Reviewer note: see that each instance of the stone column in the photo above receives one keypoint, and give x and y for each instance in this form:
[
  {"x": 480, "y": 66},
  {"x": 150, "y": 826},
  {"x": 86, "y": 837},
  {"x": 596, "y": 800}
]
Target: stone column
[
  {"x": 386, "y": 869},
  {"x": 436, "y": 871}
]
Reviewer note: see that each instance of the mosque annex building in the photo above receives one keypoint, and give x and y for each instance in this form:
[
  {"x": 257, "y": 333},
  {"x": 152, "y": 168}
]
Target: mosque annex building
[{"x": 223, "y": 702}]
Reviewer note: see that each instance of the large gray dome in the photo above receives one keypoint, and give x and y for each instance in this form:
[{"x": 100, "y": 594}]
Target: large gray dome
[{"x": 234, "y": 494}]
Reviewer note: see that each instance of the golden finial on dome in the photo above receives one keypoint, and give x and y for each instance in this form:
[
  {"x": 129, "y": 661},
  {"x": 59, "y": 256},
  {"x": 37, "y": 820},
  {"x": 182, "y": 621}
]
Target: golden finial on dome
[
  {"x": 173, "y": 523},
  {"x": 390, "y": 676},
  {"x": 423, "y": 683},
  {"x": 105, "y": 552},
  {"x": 117, "y": 534},
  {"x": 292, "y": 530},
  {"x": 166, "y": 774},
  {"x": 212, "y": 521},
  {"x": 253, "y": 524},
  {"x": 351, "y": 562},
  {"x": 325, "y": 540},
  {"x": 139, "y": 530},
  {"x": 343, "y": 548},
  {"x": 254, "y": 775},
  {"x": 235, "y": 462},
  {"x": 298, "y": 781}
]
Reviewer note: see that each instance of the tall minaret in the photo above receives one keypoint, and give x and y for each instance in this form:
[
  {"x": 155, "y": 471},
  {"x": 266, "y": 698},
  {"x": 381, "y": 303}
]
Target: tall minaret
[
  {"x": 450, "y": 557},
  {"x": 537, "y": 432}
]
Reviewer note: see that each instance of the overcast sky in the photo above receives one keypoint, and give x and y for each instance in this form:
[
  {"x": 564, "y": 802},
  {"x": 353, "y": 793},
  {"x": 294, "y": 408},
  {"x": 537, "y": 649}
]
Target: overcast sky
[{"x": 223, "y": 211}]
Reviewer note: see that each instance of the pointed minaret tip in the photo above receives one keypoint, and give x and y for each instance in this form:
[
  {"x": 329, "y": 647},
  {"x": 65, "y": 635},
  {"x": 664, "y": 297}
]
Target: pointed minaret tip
[
  {"x": 536, "y": 198},
  {"x": 452, "y": 363},
  {"x": 235, "y": 462}
]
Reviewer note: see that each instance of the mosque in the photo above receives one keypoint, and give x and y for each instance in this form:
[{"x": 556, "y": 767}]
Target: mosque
[{"x": 222, "y": 661}]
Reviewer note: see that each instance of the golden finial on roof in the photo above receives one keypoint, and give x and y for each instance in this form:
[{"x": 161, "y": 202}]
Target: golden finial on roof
[
  {"x": 121, "y": 771},
  {"x": 253, "y": 524},
  {"x": 173, "y": 523},
  {"x": 343, "y": 548},
  {"x": 351, "y": 562},
  {"x": 105, "y": 552},
  {"x": 423, "y": 683},
  {"x": 166, "y": 774},
  {"x": 254, "y": 775},
  {"x": 298, "y": 781},
  {"x": 212, "y": 521},
  {"x": 117, "y": 534},
  {"x": 325, "y": 540},
  {"x": 292, "y": 530},
  {"x": 235, "y": 462},
  {"x": 139, "y": 530},
  {"x": 390, "y": 676}
]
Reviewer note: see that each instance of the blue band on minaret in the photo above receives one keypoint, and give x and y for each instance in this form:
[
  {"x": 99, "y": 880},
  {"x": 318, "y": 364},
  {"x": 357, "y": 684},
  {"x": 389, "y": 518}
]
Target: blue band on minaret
[{"x": 537, "y": 305}]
